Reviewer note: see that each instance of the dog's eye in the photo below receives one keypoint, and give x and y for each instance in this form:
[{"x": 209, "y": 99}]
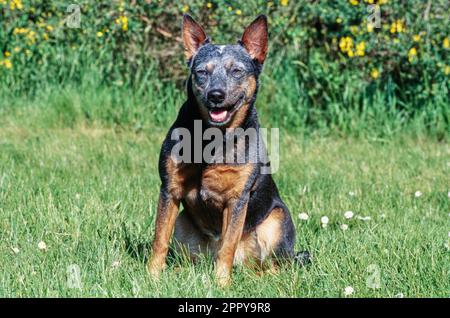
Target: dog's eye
[
  {"x": 201, "y": 73},
  {"x": 237, "y": 72}
]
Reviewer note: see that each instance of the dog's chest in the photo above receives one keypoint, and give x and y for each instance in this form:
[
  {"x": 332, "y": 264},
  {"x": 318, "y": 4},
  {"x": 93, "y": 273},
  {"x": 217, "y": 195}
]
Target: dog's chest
[{"x": 208, "y": 187}]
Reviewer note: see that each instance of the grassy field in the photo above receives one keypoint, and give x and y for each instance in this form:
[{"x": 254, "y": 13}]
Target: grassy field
[{"x": 89, "y": 190}]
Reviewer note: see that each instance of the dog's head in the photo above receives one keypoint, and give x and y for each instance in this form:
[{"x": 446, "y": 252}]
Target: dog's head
[{"x": 224, "y": 78}]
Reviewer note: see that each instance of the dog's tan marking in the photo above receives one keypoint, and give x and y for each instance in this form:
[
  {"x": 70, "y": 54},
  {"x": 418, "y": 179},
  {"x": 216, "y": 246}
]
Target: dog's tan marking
[
  {"x": 165, "y": 221},
  {"x": 182, "y": 178},
  {"x": 226, "y": 182},
  {"x": 210, "y": 67},
  {"x": 269, "y": 232},
  {"x": 229, "y": 243},
  {"x": 249, "y": 88}
]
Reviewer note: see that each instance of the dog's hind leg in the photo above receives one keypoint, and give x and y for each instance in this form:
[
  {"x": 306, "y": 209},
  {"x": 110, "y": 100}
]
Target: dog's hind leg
[
  {"x": 188, "y": 239},
  {"x": 276, "y": 238}
]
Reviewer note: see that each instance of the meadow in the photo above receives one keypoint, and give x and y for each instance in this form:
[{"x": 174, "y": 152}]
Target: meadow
[
  {"x": 89, "y": 192},
  {"x": 364, "y": 128}
]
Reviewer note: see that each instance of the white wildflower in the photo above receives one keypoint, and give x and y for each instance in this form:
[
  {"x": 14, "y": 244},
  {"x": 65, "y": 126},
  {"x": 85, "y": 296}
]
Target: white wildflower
[
  {"x": 348, "y": 215},
  {"x": 115, "y": 264},
  {"x": 303, "y": 216},
  {"x": 42, "y": 246},
  {"x": 324, "y": 221},
  {"x": 348, "y": 290}
]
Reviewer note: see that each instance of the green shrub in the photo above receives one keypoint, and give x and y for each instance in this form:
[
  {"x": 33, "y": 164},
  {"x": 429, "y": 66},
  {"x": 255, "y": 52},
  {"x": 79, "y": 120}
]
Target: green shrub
[{"x": 327, "y": 61}]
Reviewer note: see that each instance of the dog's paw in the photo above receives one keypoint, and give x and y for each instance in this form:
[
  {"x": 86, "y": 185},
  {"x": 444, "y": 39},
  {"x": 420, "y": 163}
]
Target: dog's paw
[
  {"x": 223, "y": 281},
  {"x": 303, "y": 258},
  {"x": 154, "y": 270},
  {"x": 223, "y": 277}
]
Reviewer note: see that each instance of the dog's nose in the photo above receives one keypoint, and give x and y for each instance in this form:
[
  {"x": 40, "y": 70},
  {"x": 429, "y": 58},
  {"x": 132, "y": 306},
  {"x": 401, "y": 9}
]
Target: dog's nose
[{"x": 216, "y": 96}]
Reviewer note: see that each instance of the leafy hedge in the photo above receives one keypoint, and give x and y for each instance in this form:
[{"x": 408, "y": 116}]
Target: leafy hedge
[{"x": 333, "y": 53}]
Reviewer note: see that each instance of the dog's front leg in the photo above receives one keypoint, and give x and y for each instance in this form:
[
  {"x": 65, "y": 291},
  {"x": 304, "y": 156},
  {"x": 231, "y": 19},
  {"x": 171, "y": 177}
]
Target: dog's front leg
[
  {"x": 232, "y": 227},
  {"x": 165, "y": 220}
]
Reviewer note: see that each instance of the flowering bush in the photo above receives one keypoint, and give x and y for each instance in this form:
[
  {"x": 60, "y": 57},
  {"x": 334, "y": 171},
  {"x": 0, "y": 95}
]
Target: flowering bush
[{"x": 337, "y": 52}]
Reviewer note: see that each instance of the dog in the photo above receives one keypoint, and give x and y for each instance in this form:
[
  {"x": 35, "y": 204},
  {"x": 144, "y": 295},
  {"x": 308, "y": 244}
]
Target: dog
[{"x": 231, "y": 210}]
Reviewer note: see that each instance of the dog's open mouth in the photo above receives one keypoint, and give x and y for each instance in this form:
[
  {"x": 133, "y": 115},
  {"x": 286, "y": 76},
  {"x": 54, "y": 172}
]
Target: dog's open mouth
[{"x": 223, "y": 114}]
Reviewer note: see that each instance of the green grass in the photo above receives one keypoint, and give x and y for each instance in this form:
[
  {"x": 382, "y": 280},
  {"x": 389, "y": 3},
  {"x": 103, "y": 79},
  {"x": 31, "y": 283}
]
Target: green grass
[{"x": 88, "y": 189}]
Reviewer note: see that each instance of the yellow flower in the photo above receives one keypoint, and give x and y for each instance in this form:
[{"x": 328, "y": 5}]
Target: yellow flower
[
  {"x": 45, "y": 36},
  {"x": 374, "y": 73},
  {"x": 31, "y": 37},
  {"x": 284, "y": 3},
  {"x": 20, "y": 30},
  {"x": 238, "y": 12},
  {"x": 447, "y": 70},
  {"x": 400, "y": 26},
  {"x": 185, "y": 8},
  {"x": 7, "y": 54},
  {"x": 446, "y": 43},
  {"x": 380, "y": 2},
  {"x": 339, "y": 20},
  {"x": 369, "y": 27},
  {"x": 354, "y": 29},
  {"x": 99, "y": 34},
  {"x": 6, "y": 63},
  {"x": 354, "y": 2},
  {"x": 416, "y": 38},
  {"x": 393, "y": 28},
  {"x": 412, "y": 54},
  {"x": 123, "y": 21},
  {"x": 350, "y": 53},
  {"x": 346, "y": 44},
  {"x": 13, "y": 4},
  {"x": 49, "y": 28},
  {"x": 397, "y": 26},
  {"x": 360, "y": 48},
  {"x": 369, "y": 1},
  {"x": 209, "y": 5}
]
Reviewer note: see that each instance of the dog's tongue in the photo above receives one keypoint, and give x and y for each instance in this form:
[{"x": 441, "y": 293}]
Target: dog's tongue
[{"x": 218, "y": 115}]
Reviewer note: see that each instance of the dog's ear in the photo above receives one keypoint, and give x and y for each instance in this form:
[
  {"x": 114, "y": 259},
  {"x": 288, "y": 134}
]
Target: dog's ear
[
  {"x": 255, "y": 39},
  {"x": 193, "y": 36}
]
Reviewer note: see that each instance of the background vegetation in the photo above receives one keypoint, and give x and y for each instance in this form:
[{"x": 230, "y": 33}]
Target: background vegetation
[{"x": 329, "y": 66}]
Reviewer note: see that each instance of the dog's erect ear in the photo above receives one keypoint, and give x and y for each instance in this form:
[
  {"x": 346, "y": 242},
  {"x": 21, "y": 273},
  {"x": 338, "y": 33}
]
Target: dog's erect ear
[
  {"x": 255, "y": 39},
  {"x": 193, "y": 36}
]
